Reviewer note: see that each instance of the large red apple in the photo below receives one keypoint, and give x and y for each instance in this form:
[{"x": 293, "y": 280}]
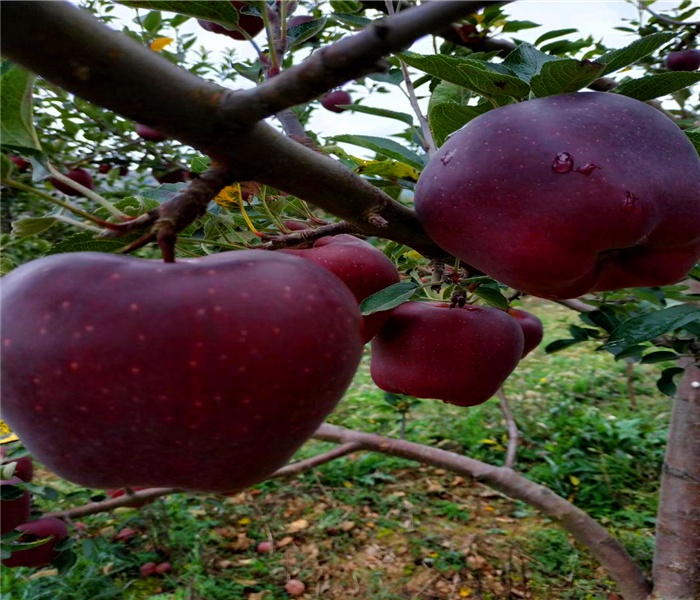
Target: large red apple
[
  {"x": 333, "y": 101},
  {"x": 568, "y": 194},
  {"x": 80, "y": 176},
  {"x": 249, "y": 23},
  {"x": 55, "y": 529},
  {"x": 683, "y": 60},
  {"x": 459, "y": 355},
  {"x": 14, "y": 512},
  {"x": 362, "y": 267},
  {"x": 533, "y": 331},
  {"x": 205, "y": 374}
]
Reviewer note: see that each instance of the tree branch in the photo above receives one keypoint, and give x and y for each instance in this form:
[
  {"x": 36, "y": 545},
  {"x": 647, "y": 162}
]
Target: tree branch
[
  {"x": 513, "y": 432},
  {"x": 604, "y": 547},
  {"x": 318, "y": 460},
  {"x": 676, "y": 557}
]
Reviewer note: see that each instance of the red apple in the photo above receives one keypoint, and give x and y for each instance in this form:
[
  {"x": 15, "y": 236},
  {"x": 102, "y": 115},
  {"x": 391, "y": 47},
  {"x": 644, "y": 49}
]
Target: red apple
[
  {"x": 55, "y": 529},
  {"x": 249, "y": 23},
  {"x": 164, "y": 567},
  {"x": 24, "y": 466},
  {"x": 14, "y": 512},
  {"x": 264, "y": 548},
  {"x": 459, "y": 355},
  {"x": 80, "y": 176},
  {"x": 149, "y": 134},
  {"x": 104, "y": 168},
  {"x": 533, "y": 332},
  {"x": 683, "y": 60},
  {"x": 147, "y": 569},
  {"x": 294, "y": 587},
  {"x": 334, "y": 100},
  {"x": 362, "y": 267},
  {"x": 21, "y": 164},
  {"x": 209, "y": 373},
  {"x": 568, "y": 194}
]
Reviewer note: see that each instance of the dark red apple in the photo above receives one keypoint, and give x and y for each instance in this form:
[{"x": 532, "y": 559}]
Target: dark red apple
[
  {"x": 683, "y": 60},
  {"x": 24, "y": 466},
  {"x": 172, "y": 176},
  {"x": 249, "y": 23},
  {"x": 147, "y": 569},
  {"x": 164, "y": 567},
  {"x": 80, "y": 176},
  {"x": 55, "y": 529},
  {"x": 362, "y": 267},
  {"x": 14, "y": 512},
  {"x": 334, "y": 100},
  {"x": 568, "y": 194},
  {"x": 533, "y": 332},
  {"x": 21, "y": 164},
  {"x": 459, "y": 355},
  {"x": 104, "y": 168},
  {"x": 149, "y": 134},
  {"x": 205, "y": 374}
]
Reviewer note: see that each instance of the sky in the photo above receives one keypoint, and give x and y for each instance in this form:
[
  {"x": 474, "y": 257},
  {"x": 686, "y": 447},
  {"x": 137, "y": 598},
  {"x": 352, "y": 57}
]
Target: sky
[{"x": 591, "y": 17}]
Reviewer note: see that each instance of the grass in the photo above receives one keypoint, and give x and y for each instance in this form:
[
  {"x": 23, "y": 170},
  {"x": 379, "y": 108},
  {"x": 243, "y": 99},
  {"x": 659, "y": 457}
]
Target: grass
[{"x": 373, "y": 526}]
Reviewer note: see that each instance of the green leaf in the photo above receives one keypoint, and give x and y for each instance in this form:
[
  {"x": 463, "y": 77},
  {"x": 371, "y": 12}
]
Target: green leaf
[
  {"x": 6, "y": 166},
  {"x": 384, "y": 147},
  {"x": 200, "y": 164},
  {"x": 618, "y": 59},
  {"x": 152, "y": 21},
  {"x": 346, "y": 6},
  {"x": 646, "y": 327},
  {"x": 388, "y": 298},
  {"x": 661, "y": 356},
  {"x": 381, "y": 112},
  {"x": 557, "y": 345},
  {"x": 513, "y": 25},
  {"x": 631, "y": 351},
  {"x": 11, "y": 492},
  {"x": 694, "y": 136},
  {"x": 550, "y": 35},
  {"x": 87, "y": 242},
  {"x": 6, "y": 265},
  {"x": 64, "y": 561},
  {"x": 32, "y": 226},
  {"x": 486, "y": 79},
  {"x": 219, "y": 11},
  {"x": 305, "y": 31},
  {"x": 654, "y": 86},
  {"x": 16, "y": 108},
  {"x": 492, "y": 296},
  {"x": 526, "y": 61},
  {"x": 347, "y": 19},
  {"x": 250, "y": 71},
  {"x": 446, "y": 118},
  {"x": 666, "y": 383},
  {"x": 564, "y": 76}
]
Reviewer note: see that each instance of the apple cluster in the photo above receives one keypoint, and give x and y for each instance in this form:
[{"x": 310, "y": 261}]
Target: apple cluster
[{"x": 15, "y": 515}]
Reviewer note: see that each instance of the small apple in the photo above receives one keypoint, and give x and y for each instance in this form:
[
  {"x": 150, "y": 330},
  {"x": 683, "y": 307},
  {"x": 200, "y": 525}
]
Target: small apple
[
  {"x": 20, "y": 164},
  {"x": 149, "y": 134},
  {"x": 164, "y": 567},
  {"x": 560, "y": 203},
  {"x": 80, "y": 176},
  {"x": 124, "y": 535},
  {"x": 49, "y": 527},
  {"x": 533, "y": 332},
  {"x": 212, "y": 371},
  {"x": 294, "y": 587},
  {"x": 683, "y": 60},
  {"x": 14, "y": 512},
  {"x": 24, "y": 466},
  {"x": 178, "y": 175},
  {"x": 104, "y": 168},
  {"x": 333, "y": 101},
  {"x": 459, "y": 355},
  {"x": 251, "y": 24},
  {"x": 147, "y": 569},
  {"x": 264, "y": 548},
  {"x": 362, "y": 267}
]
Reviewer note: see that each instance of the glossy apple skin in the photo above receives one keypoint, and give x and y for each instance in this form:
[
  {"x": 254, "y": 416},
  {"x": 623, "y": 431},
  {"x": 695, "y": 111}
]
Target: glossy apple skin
[
  {"x": 362, "y": 267},
  {"x": 14, "y": 512},
  {"x": 333, "y": 101},
  {"x": 149, "y": 134},
  {"x": 40, "y": 555},
  {"x": 249, "y": 23},
  {"x": 459, "y": 355},
  {"x": 206, "y": 374},
  {"x": 533, "y": 331},
  {"x": 498, "y": 195},
  {"x": 24, "y": 466},
  {"x": 683, "y": 60},
  {"x": 80, "y": 176}
]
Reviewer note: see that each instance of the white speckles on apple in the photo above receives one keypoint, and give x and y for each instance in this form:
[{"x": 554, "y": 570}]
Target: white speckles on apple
[
  {"x": 73, "y": 366},
  {"x": 198, "y": 404},
  {"x": 218, "y": 398},
  {"x": 193, "y": 364},
  {"x": 115, "y": 276},
  {"x": 218, "y": 309},
  {"x": 162, "y": 397},
  {"x": 307, "y": 370},
  {"x": 36, "y": 380},
  {"x": 199, "y": 345},
  {"x": 39, "y": 408},
  {"x": 245, "y": 401},
  {"x": 201, "y": 312},
  {"x": 136, "y": 400},
  {"x": 223, "y": 357},
  {"x": 65, "y": 304},
  {"x": 7, "y": 342},
  {"x": 211, "y": 271},
  {"x": 133, "y": 307},
  {"x": 310, "y": 297},
  {"x": 276, "y": 330},
  {"x": 244, "y": 295},
  {"x": 104, "y": 391},
  {"x": 83, "y": 409},
  {"x": 135, "y": 370},
  {"x": 141, "y": 337},
  {"x": 77, "y": 335},
  {"x": 211, "y": 291}
]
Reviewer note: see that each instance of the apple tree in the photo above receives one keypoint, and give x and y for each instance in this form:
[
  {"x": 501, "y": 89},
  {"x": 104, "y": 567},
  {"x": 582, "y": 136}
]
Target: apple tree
[{"x": 235, "y": 298}]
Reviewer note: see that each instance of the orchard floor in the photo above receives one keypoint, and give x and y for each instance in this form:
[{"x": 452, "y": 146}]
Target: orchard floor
[{"x": 373, "y": 527}]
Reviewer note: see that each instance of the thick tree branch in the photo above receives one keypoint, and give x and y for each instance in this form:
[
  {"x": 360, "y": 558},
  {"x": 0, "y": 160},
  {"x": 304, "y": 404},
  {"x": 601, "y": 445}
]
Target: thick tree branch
[
  {"x": 604, "y": 547},
  {"x": 71, "y": 48},
  {"x": 677, "y": 553}
]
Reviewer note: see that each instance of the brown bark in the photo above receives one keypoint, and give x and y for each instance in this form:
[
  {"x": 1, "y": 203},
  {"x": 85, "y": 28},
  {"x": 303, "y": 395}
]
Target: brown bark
[{"x": 676, "y": 569}]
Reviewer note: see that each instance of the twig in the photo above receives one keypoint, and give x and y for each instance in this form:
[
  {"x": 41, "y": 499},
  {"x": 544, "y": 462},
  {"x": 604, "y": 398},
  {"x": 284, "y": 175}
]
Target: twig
[
  {"x": 315, "y": 461},
  {"x": 665, "y": 19},
  {"x": 513, "y": 432},
  {"x": 306, "y": 235}
]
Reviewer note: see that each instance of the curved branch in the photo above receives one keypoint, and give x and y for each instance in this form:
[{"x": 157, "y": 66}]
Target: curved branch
[
  {"x": 513, "y": 431},
  {"x": 604, "y": 547}
]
